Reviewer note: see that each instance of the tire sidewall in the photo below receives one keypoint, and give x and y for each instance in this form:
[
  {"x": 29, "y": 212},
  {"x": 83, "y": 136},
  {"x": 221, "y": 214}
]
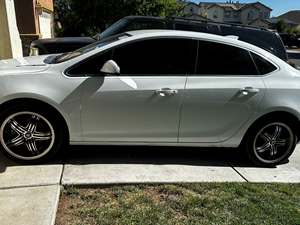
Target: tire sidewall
[
  {"x": 39, "y": 109},
  {"x": 253, "y": 133}
]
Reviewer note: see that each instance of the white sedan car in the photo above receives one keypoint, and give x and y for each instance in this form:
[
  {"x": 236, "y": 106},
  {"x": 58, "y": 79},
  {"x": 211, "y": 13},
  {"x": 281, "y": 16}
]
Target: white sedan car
[{"x": 171, "y": 88}]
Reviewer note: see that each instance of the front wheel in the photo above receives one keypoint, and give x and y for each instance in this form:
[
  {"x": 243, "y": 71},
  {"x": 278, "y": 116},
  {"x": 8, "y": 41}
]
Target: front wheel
[
  {"x": 29, "y": 135},
  {"x": 271, "y": 143}
]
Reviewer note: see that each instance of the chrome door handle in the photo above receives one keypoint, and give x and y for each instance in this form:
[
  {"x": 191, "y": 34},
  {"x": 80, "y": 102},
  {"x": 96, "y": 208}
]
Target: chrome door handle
[
  {"x": 166, "y": 92},
  {"x": 247, "y": 90}
]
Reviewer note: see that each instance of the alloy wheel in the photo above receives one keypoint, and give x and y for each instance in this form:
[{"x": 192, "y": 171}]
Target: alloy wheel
[
  {"x": 27, "y": 135},
  {"x": 273, "y": 142}
]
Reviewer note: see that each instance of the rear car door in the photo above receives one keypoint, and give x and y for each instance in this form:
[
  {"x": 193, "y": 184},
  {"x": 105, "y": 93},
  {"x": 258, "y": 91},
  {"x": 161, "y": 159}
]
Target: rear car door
[{"x": 222, "y": 95}]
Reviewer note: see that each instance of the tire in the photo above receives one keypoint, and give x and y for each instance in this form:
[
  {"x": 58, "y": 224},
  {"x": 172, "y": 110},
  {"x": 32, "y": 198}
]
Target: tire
[
  {"x": 30, "y": 133},
  {"x": 271, "y": 142}
]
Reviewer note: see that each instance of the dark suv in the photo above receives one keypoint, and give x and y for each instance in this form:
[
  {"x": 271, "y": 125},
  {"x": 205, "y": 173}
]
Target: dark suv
[
  {"x": 290, "y": 40},
  {"x": 260, "y": 37}
]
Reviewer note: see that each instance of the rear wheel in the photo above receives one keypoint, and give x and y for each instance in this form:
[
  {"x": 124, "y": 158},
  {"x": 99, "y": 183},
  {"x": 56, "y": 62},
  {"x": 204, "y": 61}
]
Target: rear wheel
[
  {"x": 271, "y": 143},
  {"x": 29, "y": 135}
]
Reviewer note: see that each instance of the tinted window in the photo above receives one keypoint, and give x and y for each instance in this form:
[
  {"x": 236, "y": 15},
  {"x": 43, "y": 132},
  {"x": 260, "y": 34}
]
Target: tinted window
[
  {"x": 91, "y": 66},
  {"x": 220, "y": 59},
  {"x": 157, "y": 56},
  {"x": 263, "y": 65}
]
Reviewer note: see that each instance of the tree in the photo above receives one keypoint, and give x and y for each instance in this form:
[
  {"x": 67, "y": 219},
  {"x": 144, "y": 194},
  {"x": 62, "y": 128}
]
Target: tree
[
  {"x": 78, "y": 18},
  {"x": 281, "y": 26}
]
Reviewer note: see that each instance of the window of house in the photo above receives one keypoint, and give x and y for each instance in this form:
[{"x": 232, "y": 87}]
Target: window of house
[
  {"x": 266, "y": 15},
  {"x": 220, "y": 59},
  {"x": 227, "y": 14},
  {"x": 250, "y": 15},
  {"x": 263, "y": 65},
  {"x": 165, "y": 56},
  {"x": 215, "y": 14}
]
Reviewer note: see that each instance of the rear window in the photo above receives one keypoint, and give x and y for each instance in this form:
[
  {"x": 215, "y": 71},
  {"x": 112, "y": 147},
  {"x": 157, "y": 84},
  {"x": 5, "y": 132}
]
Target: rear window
[
  {"x": 264, "y": 39},
  {"x": 263, "y": 65}
]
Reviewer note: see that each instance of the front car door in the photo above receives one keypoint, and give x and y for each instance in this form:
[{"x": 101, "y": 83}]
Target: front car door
[
  {"x": 222, "y": 95},
  {"x": 142, "y": 104}
]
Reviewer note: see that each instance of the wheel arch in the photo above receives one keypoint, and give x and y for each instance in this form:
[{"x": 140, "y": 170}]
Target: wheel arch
[
  {"x": 287, "y": 115},
  {"x": 50, "y": 106}
]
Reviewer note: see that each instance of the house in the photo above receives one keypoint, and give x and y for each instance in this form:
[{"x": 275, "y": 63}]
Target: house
[
  {"x": 232, "y": 12},
  {"x": 34, "y": 20},
  {"x": 293, "y": 16},
  {"x": 10, "y": 42},
  {"x": 274, "y": 21}
]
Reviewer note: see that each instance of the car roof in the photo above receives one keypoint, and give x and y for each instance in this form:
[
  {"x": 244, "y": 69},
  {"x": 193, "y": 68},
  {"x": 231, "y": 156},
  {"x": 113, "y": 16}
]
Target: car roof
[{"x": 200, "y": 35}]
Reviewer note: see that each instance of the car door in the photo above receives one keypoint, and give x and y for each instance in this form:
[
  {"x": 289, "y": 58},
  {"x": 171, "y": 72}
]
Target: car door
[
  {"x": 142, "y": 103},
  {"x": 222, "y": 95}
]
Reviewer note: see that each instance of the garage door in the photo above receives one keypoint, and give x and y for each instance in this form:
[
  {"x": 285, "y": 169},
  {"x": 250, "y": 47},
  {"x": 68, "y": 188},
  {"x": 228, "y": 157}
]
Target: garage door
[{"x": 45, "y": 20}]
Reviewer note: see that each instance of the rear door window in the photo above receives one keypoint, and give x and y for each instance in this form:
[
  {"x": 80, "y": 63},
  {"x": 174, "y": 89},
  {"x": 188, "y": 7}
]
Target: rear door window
[{"x": 221, "y": 60}]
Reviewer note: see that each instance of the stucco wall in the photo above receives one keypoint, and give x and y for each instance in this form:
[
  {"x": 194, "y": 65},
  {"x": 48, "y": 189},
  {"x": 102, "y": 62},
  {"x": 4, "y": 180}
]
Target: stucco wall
[
  {"x": 191, "y": 9},
  {"x": 46, "y": 4},
  {"x": 245, "y": 12},
  {"x": 215, "y": 13},
  {"x": 264, "y": 12},
  {"x": 10, "y": 42}
]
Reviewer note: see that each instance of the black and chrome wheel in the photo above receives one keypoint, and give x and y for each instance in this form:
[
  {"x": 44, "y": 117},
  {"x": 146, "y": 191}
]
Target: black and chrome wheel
[
  {"x": 29, "y": 135},
  {"x": 271, "y": 143}
]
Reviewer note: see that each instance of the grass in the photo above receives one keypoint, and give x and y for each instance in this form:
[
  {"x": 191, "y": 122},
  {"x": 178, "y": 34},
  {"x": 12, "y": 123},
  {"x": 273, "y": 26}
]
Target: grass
[{"x": 191, "y": 204}]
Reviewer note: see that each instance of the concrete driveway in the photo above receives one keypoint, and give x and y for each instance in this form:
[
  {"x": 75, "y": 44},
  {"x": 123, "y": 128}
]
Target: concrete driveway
[{"x": 30, "y": 193}]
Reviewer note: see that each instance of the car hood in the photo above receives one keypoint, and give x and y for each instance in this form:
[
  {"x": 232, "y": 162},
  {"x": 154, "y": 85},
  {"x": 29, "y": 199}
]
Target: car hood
[{"x": 31, "y": 64}]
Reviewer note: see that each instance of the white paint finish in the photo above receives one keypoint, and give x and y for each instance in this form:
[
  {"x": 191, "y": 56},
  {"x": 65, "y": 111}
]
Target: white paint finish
[
  {"x": 48, "y": 84},
  {"x": 12, "y": 175},
  {"x": 286, "y": 173},
  {"x": 30, "y": 206},
  {"x": 137, "y": 111},
  {"x": 146, "y": 173}
]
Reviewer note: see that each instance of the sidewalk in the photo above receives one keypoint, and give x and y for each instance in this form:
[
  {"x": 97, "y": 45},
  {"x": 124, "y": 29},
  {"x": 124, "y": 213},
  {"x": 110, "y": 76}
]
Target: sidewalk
[{"x": 29, "y": 194}]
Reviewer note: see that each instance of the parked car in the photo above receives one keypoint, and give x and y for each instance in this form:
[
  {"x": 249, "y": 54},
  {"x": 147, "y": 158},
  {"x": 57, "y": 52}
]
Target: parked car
[
  {"x": 294, "y": 57},
  {"x": 58, "y": 45},
  {"x": 171, "y": 88},
  {"x": 290, "y": 40},
  {"x": 260, "y": 37}
]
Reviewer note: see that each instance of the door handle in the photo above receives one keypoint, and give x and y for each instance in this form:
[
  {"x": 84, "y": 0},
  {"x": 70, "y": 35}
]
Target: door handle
[
  {"x": 166, "y": 92},
  {"x": 249, "y": 90}
]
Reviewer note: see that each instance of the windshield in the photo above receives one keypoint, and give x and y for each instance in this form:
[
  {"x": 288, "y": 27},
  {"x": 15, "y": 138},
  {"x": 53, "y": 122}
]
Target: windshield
[
  {"x": 115, "y": 28},
  {"x": 71, "y": 55}
]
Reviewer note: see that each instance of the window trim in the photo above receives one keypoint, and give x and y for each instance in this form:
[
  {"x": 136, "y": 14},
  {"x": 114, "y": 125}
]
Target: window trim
[{"x": 134, "y": 75}]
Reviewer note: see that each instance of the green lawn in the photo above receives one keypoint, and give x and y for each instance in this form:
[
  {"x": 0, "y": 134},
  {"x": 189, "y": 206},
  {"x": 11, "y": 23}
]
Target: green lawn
[{"x": 224, "y": 203}]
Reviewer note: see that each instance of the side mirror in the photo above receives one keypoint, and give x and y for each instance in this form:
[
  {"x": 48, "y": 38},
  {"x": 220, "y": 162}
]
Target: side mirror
[{"x": 110, "y": 67}]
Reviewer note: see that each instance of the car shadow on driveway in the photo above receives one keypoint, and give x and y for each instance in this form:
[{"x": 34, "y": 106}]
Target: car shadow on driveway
[{"x": 82, "y": 155}]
